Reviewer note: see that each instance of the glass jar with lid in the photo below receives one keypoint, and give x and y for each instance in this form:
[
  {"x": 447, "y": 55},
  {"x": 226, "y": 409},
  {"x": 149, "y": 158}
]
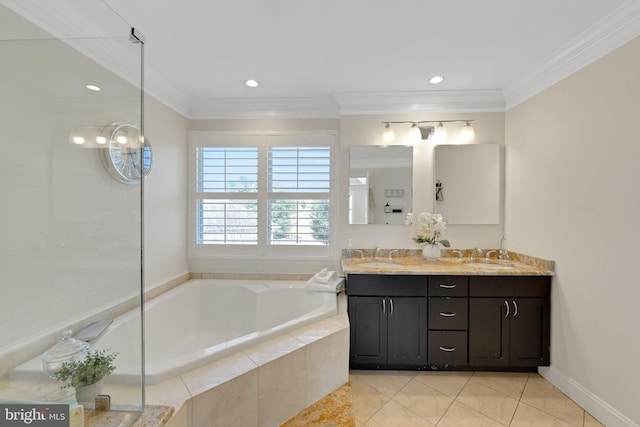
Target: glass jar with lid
[{"x": 65, "y": 350}]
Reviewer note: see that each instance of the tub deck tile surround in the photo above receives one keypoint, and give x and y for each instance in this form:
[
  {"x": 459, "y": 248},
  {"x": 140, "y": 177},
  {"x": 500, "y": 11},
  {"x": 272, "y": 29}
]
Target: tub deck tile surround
[
  {"x": 269, "y": 383},
  {"x": 264, "y": 385}
]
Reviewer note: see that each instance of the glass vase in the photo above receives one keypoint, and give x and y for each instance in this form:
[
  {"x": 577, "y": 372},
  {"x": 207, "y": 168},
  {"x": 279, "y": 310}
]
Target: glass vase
[{"x": 431, "y": 251}]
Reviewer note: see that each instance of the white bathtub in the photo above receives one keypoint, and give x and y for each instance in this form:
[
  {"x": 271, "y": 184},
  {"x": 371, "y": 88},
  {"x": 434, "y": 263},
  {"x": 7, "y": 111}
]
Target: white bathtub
[{"x": 202, "y": 321}]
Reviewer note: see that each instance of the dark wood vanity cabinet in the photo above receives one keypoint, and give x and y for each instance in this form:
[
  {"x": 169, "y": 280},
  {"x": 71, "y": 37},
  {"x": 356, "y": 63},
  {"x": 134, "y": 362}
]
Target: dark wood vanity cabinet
[
  {"x": 448, "y": 322},
  {"x": 388, "y": 320},
  {"x": 509, "y": 321}
]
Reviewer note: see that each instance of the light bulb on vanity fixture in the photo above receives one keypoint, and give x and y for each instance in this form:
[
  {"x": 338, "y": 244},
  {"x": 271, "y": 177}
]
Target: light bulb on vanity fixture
[
  {"x": 77, "y": 138},
  {"x": 440, "y": 134},
  {"x": 414, "y": 134},
  {"x": 388, "y": 135},
  {"x": 467, "y": 134}
]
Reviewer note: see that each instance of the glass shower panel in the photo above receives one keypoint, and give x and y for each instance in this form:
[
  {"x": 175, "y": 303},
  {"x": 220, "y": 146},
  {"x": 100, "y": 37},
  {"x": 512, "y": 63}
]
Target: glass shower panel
[{"x": 71, "y": 246}]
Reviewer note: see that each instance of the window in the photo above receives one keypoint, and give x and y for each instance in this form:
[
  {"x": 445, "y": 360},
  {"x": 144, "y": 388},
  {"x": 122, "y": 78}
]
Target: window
[
  {"x": 261, "y": 194},
  {"x": 227, "y": 179},
  {"x": 299, "y": 185}
]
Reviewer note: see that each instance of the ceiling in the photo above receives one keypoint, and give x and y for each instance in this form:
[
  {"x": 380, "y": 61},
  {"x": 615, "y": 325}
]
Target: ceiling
[{"x": 332, "y": 57}]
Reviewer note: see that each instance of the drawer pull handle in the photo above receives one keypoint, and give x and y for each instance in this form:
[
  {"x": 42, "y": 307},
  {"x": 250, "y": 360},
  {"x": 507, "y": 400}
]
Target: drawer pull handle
[
  {"x": 507, "y": 305},
  {"x": 384, "y": 306},
  {"x": 447, "y": 286},
  {"x": 515, "y": 306},
  {"x": 447, "y": 314},
  {"x": 391, "y": 307},
  {"x": 448, "y": 349}
]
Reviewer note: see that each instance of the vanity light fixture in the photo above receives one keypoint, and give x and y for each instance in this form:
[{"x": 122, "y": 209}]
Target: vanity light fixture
[
  {"x": 436, "y": 79},
  {"x": 251, "y": 83},
  {"x": 93, "y": 87},
  {"x": 433, "y": 130}
]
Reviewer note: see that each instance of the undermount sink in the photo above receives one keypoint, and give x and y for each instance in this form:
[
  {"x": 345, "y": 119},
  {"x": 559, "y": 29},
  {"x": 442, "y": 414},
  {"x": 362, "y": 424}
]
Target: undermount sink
[
  {"x": 380, "y": 264},
  {"x": 490, "y": 265}
]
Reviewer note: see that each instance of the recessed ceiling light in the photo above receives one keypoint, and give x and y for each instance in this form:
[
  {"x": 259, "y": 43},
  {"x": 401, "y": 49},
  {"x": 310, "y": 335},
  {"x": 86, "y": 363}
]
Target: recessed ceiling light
[
  {"x": 251, "y": 83},
  {"x": 436, "y": 79},
  {"x": 93, "y": 88}
]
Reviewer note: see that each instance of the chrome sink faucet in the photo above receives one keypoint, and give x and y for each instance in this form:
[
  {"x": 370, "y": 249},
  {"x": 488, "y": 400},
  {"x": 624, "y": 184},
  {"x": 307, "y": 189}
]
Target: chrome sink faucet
[
  {"x": 395, "y": 251},
  {"x": 503, "y": 253},
  {"x": 488, "y": 254},
  {"x": 476, "y": 253},
  {"x": 376, "y": 253}
]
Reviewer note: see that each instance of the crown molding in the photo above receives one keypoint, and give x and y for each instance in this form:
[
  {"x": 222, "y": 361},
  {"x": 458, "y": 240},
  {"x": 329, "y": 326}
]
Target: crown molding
[
  {"x": 608, "y": 34},
  {"x": 454, "y": 101},
  {"x": 264, "y": 108},
  {"x": 349, "y": 104}
]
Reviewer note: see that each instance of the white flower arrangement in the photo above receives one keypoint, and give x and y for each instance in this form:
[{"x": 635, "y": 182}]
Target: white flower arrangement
[{"x": 428, "y": 228}]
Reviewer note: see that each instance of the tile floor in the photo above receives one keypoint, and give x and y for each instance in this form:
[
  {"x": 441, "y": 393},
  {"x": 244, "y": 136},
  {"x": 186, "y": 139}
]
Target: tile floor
[{"x": 459, "y": 399}]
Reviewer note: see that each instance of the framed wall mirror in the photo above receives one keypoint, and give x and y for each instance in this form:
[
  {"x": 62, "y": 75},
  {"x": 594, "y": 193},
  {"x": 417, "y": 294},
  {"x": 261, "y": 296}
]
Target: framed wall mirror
[
  {"x": 467, "y": 183},
  {"x": 380, "y": 184}
]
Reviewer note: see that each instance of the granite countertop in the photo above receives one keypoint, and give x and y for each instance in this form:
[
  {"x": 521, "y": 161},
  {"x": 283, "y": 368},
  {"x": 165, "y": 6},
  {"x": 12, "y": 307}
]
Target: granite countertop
[{"x": 412, "y": 262}]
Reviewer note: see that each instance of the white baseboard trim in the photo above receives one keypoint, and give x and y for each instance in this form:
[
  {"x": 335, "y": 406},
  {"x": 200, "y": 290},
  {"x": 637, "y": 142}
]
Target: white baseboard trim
[{"x": 601, "y": 410}]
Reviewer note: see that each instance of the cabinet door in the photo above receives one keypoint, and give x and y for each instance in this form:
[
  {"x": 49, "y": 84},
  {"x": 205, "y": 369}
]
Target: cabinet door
[
  {"x": 407, "y": 331},
  {"x": 529, "y": 332},
  {"x": 488, "y": 332},
  {"x": 368, "y": 340}
]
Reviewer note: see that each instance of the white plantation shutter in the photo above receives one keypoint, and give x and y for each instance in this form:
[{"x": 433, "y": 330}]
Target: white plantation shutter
[
  {"x": 226, "y": 169},
  {"x": 226, "y": 188},
  {"x": 299, "y": 186},
  {"x": 227, "y": 221},
  {"x": 299, "y": 169}
]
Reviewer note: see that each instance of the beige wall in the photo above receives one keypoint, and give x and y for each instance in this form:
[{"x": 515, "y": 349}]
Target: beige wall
[
  {"x": 571, "y": 196},
  {"x": 165, "y": 195}
]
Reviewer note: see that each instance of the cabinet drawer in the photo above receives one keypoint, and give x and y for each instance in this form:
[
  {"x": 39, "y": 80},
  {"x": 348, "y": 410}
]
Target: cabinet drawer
[
  {"x": 391, "y": 285},
  {"x": 448, "y": 313},
  {"x": 447, "y": 348},
  {"x": 448, "y": 286},
  {"x": 510, "y": 286}
]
